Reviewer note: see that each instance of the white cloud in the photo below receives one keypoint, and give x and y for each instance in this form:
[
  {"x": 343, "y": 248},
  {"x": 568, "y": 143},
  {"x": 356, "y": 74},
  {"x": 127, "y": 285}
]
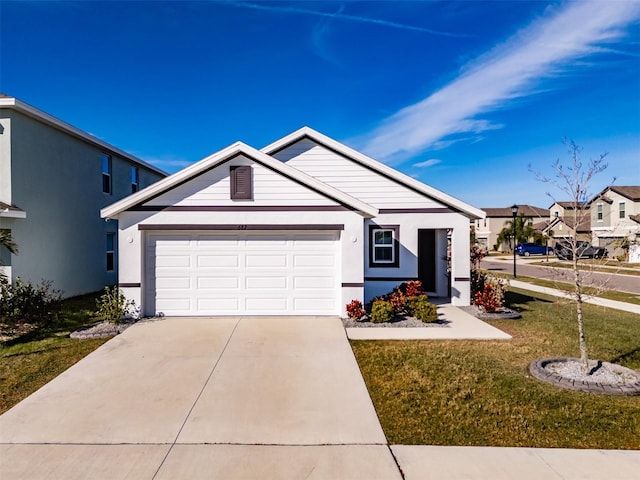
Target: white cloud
[
  {"x": 511, "y": 70},
  {"x": 427, "y": 163}
]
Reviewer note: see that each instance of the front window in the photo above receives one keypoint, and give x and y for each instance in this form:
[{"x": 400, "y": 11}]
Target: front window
[
  {"x": 134, "y": 179},
  {"x": 384, "y": 244},
  {"x": 106, "y": 173},
  {"x": 111, "y": 252},
  {"x": 556, "y": 214},
  {"x": 621, "y": 209},
  {"x": 599, "y": 212}
]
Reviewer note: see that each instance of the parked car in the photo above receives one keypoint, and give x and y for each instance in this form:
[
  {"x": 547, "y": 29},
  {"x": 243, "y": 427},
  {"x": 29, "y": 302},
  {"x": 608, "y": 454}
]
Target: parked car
[
  {"x": 583, "y": 249},
  {"x": 527, "y": 249}
]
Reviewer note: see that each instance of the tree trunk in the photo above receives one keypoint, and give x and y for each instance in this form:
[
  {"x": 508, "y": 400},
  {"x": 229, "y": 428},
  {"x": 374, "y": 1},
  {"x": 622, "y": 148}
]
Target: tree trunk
[{"x": 584, "y": 358}]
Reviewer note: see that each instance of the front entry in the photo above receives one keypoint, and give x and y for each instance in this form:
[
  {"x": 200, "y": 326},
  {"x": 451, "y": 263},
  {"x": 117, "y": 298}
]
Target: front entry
[{"x": 427, "y": 259}]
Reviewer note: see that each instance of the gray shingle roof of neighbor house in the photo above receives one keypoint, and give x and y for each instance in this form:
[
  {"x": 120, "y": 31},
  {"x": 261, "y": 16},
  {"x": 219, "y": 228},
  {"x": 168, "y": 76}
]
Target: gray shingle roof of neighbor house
[
  {"x": 635, "y": 218},
  {"x": 526, "y": 210},
  {"x": 569, "y": 205},
  {"x": 13, "y": 103}
]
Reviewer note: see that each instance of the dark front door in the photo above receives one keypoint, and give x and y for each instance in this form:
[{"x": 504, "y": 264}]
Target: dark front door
[{"x": 427, "y": 259}]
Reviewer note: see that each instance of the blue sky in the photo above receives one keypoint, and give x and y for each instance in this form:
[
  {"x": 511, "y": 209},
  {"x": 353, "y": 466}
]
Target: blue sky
[{"x": 463, "y": 96}]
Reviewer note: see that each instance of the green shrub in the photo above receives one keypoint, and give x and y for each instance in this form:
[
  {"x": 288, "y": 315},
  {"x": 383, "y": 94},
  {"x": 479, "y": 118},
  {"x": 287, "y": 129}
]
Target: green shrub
[
  {"x": 25, "y": 303},
  {"x": 420, "y": 308},
  {"x": 113, "y": 306},
  {"x": 381, "y": 311}
]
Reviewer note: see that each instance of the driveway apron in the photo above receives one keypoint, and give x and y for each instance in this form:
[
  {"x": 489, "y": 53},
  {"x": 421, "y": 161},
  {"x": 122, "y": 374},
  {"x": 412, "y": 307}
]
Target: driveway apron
[{"x": 241, "y": 397}]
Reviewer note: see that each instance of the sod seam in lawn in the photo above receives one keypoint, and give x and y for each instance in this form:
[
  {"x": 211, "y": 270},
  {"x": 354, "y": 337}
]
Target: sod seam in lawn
[{"x": 480, "y": 392}]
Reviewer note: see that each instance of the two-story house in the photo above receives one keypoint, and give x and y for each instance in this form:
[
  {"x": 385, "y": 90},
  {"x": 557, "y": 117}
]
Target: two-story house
[
  {"x": 488, "y": 229},
  {"x": 615, "y": 215},
  {"x": 566, "y": 222},
  {"x": 54, "y": 179}
]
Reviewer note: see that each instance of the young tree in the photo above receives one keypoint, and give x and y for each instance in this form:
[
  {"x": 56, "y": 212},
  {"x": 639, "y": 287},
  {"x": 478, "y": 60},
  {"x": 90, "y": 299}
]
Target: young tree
[{"x": 573, "y": 179}]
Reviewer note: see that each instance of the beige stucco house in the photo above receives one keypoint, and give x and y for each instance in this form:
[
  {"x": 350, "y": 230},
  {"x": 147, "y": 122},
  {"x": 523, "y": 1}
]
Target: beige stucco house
[
  {"x": 615, "y": 215},
  {"x": 487, "y": 229}
]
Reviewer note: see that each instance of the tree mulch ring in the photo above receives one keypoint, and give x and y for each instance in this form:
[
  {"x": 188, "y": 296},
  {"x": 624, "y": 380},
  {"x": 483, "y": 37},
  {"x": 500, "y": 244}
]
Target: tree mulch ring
[
  {"x": 603, "y": 377},
  {"x": 503, "y": 314}
]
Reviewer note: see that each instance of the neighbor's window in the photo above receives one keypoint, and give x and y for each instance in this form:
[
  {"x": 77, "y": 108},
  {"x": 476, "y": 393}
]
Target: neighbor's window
[
  {"x": 556, "y": 214},
  {"x": 111, "y": 251},
  {"x": 599, "y": 212},
  {"x": 621, "y": 210},
  {"x": 134, "y": 179},
  {"x": 384, "y": 246},
  {"x": 106, "y": 173}
]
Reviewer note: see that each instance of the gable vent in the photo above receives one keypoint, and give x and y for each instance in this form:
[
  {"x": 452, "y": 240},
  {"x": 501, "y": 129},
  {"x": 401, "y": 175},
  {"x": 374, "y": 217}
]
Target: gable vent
[{"x": 241, "y": 182}]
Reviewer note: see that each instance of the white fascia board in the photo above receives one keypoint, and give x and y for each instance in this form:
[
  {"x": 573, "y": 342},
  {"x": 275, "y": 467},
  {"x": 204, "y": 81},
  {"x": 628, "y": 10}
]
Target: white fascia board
[
  {"x": 469, "y": 211},
  {"x": 9, "y": 213},
  {"x": 221, "y": 156},
  {"x": 50, "y": 120}
]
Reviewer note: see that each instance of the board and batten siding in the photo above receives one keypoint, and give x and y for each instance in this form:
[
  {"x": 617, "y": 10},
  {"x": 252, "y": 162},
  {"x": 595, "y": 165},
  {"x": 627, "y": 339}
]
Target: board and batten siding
[
  {"x": 350, "y": 177},
  {"x": 213, "y": 188}
]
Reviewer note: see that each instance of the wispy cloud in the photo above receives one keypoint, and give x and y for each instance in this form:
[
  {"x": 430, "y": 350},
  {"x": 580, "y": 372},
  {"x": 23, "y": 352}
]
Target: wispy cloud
[
  {"x": 427, "y": 163},
  {"x": 342, "y": 16},
  {"x": 168, "y": 163},
  {"x": 545, "y": 48}
]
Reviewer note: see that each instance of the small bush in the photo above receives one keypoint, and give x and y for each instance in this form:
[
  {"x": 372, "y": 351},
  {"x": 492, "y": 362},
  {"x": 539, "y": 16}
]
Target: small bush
[
  {"x": 25, "y": 303},
  {"x": 420, "y": 308},
  {"x": 355, "y": 311},
  {"x": 491, "y": 297},
  {"x": 113, "y": 306},
  {"x": 396, "y": 300},
  {"x": 381, "y": 311}
]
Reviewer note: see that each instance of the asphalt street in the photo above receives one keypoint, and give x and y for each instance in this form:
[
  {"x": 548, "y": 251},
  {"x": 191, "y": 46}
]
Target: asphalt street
[{"x": 610, "y": 281}]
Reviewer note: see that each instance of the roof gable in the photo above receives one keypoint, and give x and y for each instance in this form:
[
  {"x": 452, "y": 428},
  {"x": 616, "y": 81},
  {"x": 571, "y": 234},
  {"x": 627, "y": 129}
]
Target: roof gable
[
  {"x": 375, "y": 166},
  {"x": 153, "y": 194}
]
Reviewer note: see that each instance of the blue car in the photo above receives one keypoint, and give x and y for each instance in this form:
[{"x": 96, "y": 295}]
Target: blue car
[{"x": 527, "y": 249}]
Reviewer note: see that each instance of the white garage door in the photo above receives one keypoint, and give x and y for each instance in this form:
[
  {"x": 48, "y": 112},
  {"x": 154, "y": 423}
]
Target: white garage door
[{"x": 252, "y": 274}]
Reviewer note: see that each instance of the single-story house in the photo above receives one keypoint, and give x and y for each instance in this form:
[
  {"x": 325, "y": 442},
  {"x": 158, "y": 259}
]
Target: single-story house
[{"x": 301, "y": 227}]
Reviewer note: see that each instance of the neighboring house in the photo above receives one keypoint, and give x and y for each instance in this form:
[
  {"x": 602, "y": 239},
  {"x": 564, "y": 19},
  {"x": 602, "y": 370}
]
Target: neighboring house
[
  {"x": 562, "y": 221},
  {"x": 303, "y": 226},
  {"x": 615, "y": 215},
  {"x": 54, "y": 179},
  {"x": 487, "y": 229}
]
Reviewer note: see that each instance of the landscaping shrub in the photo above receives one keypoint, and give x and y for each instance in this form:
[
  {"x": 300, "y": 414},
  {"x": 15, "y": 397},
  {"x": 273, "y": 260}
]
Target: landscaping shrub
[
  {"x": 113, "y": 306},
  {"x": 491, "y": 297},
  {"x": 25, "y": 303},
  {"x": 419, "y": 307},
  {"x": 414, "y": 288},
  {"x": 381, "y": 311},
  {"x": 355, "y": 311},
  {"x": 396, "y": 300}
]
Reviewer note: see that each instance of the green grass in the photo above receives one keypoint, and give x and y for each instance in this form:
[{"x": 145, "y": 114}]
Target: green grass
[
  {"x": 568, "y": 287},
  {"x": 480, "y": 392},
  {"x": 29, "y": 362}
]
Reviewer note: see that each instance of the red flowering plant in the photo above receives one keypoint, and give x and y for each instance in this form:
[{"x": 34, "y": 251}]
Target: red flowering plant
[{"x": 355, "y": 311}]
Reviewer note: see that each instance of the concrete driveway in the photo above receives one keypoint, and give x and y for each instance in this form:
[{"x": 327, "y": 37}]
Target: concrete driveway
[{"x": 232, "y": 398}]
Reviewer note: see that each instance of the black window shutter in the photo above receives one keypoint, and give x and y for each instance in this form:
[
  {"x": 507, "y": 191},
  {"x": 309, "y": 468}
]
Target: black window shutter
[{"x": 241, "y": 182}]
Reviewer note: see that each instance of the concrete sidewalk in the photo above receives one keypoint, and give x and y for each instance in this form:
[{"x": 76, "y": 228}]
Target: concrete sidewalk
[
  {"x": 461, "y": 326},
  {"x": 603, "y": 302}
]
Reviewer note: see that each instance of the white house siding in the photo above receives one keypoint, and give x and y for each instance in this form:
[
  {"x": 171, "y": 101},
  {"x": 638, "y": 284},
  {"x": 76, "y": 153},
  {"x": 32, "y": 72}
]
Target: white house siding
[
  {"x": 57, "y": 179},
  {"x": 444, "y": 224},
  {"x": 350, "y": 177},
  {"x": 212, "y": 188},
  {"x": 611, "y": 229}
]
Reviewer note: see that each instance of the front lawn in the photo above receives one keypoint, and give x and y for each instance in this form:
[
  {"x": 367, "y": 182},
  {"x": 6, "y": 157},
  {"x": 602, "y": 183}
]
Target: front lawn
[
  {"x": 480, "y": 392},
  {"x": 27, "y": 363}
]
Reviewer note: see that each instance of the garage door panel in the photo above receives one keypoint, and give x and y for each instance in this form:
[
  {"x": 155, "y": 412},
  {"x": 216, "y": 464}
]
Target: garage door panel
[
  {"x": 209, "y": 306},
  {"x": 257, "y": 274},
  {"x": 266, "y": 282},
  {"x": 218, "y": 261},
  {"x": 258, "y": 260},
  {"x": 214, "y": 283}
]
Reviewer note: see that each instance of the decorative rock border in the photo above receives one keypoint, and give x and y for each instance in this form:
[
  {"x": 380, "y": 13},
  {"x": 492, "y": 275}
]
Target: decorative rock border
[
  {"x": 538, "y": 370},
  {"x": 100, "y": 330},
  {"x": 504, "y": 314}
]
